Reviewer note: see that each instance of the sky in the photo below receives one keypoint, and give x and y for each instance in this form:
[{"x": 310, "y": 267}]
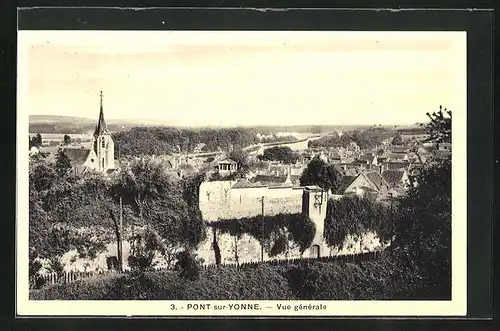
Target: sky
[{"x": 242, "y": 78}]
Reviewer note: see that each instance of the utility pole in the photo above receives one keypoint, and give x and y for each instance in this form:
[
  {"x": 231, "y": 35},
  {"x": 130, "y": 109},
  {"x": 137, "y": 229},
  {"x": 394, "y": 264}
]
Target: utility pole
[
  {"x": 120, "y": 239},
  {"x": 262, "y": 233}
]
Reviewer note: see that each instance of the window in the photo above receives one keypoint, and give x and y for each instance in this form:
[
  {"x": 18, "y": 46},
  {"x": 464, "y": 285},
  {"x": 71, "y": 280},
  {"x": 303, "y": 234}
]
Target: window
[
  {"x": 103, "y": 143},
  {"x": 92, "y": 160}
]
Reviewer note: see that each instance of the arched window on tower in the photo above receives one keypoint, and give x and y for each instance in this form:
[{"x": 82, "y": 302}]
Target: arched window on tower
[{"x": 103, "y": 142}]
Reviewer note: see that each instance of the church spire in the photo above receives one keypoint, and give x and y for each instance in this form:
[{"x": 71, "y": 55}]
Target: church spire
[{"x": 101, "y": 127}]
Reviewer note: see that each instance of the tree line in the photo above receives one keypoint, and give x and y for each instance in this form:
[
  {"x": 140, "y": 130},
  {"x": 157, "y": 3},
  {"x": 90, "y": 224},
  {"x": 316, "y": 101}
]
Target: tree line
[
  {"x": 367, "y": 138},
  {"x": 162, "y": 140}
]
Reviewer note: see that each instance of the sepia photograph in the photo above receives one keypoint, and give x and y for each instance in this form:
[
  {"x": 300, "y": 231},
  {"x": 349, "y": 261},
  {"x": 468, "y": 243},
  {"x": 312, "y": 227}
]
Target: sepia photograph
[{"x": 269, "y": 172}]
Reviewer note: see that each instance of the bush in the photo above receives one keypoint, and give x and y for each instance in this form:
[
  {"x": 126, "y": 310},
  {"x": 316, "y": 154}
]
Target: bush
[
  {"x": 369, "y": 280},
  {"x": 102, "y": 287},
  {"x": 263, "y": 283},
  {"x": 380, "y": 279},
  {"x": 188, "y": 266}
]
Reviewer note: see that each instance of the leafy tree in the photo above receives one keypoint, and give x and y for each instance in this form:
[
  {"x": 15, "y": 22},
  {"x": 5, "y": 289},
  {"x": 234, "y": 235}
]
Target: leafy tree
[
  {"x": 397, "y": 140},
  {"x": 67, "y": 139},
  {"x": 280, "y": 153},
  {"x": 63, "y": 163},
  {"x": 144, "y": 246},
  {"x": 240, "y": 157},
  {"x": 422, "y": 243},
  {"x": 439, "y": 127},
  {"x": 317, "y": 130},
  {"x": 37, "y": 140},
  {"x": 188, "y": 266},
  {"x": 42, "y": 176},
  {"x": 324, "y": 175},
  {"x": 143, "y": 180},
  {"x": 38, "y": 224},
  {"x": 280, "y": 245}
]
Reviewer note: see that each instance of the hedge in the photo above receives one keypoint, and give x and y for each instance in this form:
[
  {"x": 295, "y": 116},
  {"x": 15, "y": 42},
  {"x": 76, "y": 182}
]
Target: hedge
[{"x": 368, "y": 280}]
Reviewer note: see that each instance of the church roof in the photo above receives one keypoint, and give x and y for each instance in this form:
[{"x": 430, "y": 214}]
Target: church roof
[
  {"x": 77, "y": 156},
  {"x": 101, "y": 127}
]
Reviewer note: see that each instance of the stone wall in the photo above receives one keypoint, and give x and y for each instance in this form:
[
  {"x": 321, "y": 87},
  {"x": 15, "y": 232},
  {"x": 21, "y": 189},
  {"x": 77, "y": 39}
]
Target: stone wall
[{"x": 219, "y": 201}]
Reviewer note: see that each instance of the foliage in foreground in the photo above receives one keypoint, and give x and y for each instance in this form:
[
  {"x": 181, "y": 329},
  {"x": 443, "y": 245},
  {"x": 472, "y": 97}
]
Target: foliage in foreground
[{"x": 214, "y": 284}]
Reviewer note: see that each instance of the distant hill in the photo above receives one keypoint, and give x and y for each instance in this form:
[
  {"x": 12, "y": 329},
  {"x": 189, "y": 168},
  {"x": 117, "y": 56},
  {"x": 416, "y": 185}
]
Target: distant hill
[
  {"x": 72, "y": 124},
  {"x": 59, "y": 119}
]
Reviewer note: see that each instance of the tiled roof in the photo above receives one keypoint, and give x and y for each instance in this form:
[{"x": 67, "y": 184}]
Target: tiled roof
[
  {"x": 398, "y": 149},
  {"x": 243, "y": 183},
  {"x": 269, "y": 179},
  {"x": 397, "y": 156},
  {"x": 376, "y": 179},
  {"x": 227, "y": 161},
  {"x": 393, "y": 177},
  {"x": 367, "y": 158},
  {"x": 77, "y": 156},
  {"x": 346, "y": 181},
  {"x": 394, "y": 165},
  {"x": 351, "y": 172}
]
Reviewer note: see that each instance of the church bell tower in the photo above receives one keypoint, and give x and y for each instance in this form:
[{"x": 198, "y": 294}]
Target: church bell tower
[{"x": 104, "y": 146}]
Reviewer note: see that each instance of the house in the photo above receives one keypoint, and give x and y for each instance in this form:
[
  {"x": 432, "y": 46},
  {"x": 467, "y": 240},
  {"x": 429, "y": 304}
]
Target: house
[
  {"x": 334, "y": 158},
  {"x": 381, "y": 159},
  {"x": 398, "y": 157},
  {"x": 353, "y": 146},
  {"x": 347, "y": 166},
  {"x": 444, "y": 147},
  {"x": 398, "y": 149},
  {"x": 295, "y": 180},
  {"x": 82, "y": 159},
  {"x": 346, "y": 181},
  {"x": 351, "y": 172},
  {"x": 394, "y": 165},
  {"x": 34, "y": 150},
  {"x": 367, "y": 182},
  {"x": 414, "y": 168},
  {"x": 227, "y": 167},
  {"x": 396, "y": 178},
  {"x": 199, "y": 148},
  {"x": 368, "y": 159}
]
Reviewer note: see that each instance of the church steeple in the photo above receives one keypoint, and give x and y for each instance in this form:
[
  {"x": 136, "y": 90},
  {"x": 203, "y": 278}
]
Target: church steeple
[
  {"x": 104, "y": 146},
  {"x": 101, "y": 127}
]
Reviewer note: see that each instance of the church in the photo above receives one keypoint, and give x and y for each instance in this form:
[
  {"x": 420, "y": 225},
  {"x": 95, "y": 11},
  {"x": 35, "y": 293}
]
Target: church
[{"x": 101, "y": 157}]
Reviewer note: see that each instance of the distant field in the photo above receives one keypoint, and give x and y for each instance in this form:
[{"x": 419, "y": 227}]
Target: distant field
[{"x": 60, "y": 136}]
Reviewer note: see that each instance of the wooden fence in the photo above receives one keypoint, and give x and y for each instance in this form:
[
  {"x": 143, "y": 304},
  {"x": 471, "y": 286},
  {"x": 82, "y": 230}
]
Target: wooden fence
[
  {"x": 355, "y": 258},
  {"x": 40, "y": 280}
]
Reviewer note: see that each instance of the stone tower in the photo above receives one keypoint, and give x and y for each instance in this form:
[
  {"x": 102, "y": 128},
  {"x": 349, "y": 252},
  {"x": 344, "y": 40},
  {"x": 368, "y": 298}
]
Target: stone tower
[
  {"x": 314, "y": 204},
  {"x": 104, "y": 146}
]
